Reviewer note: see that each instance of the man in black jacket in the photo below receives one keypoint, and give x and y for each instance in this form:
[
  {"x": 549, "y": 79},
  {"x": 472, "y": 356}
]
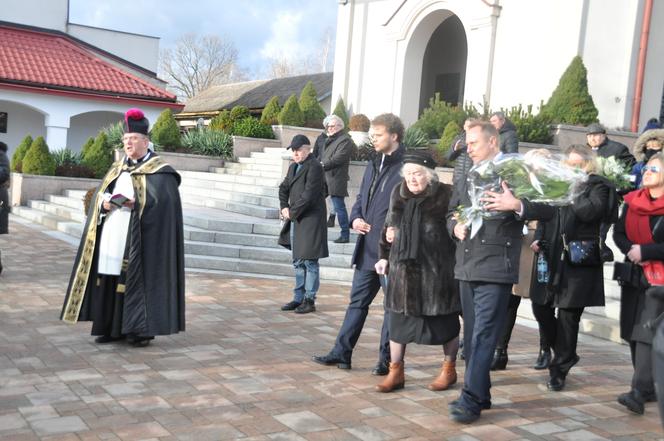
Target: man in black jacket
[
  {"x": 509, "y": 139},
  {"x": 304, "y": 231},
  {"x": 367, "y": 218}
]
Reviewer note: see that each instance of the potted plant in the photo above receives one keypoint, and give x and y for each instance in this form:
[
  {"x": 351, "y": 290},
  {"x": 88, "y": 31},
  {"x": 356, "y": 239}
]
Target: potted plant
[{"x": 359, "y": 129}]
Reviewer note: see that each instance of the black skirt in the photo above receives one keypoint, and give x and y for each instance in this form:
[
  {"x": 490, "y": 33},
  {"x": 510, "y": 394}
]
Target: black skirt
[{"x": 424, "y": 330}]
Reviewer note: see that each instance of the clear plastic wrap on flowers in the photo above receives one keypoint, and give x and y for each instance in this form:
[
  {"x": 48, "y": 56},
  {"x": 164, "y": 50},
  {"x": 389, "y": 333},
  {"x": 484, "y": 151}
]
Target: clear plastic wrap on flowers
[{"x": 536, "y": 176}]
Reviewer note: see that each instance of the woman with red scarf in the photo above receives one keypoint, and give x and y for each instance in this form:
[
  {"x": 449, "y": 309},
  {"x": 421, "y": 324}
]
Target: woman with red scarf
[{"x": 639, "y": 233}]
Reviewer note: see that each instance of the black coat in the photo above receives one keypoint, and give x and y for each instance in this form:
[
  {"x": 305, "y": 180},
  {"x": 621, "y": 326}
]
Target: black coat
[
  {"x": 372, "y": 203},
  {"x": 425, "y": 286},
  {"x": 613, "y": 148},
  {"x": 637, "y": 308},
  {"x": 335, "y": 159},
  {"x": 319, "y": 146},
  {"x": 5, "y": 173},
  {"x": 302, "y": 194},
  {"x": 572, "y": 286},
  {"x": 509, "y": 139},
  {"x": 463, "y": 162}
]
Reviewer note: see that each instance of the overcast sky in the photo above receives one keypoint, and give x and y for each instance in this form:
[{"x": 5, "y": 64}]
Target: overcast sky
[{"x": 260, "y": 29}]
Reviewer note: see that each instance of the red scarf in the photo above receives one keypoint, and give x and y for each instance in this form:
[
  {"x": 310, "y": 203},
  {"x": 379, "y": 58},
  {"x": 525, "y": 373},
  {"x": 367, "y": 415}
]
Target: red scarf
[{"x": 637, "y": 227}]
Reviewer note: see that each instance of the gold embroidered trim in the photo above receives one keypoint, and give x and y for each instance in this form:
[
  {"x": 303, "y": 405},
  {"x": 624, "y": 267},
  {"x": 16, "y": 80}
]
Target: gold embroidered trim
[{"x": 120, "y": 289}]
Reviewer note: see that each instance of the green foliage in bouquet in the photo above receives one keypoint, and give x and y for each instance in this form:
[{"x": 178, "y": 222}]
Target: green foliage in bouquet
[{"x": 615, "y": 171}]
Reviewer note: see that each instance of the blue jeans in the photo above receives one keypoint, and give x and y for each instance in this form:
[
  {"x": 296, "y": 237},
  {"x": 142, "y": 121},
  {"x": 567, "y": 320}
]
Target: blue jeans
[
  {"x": 484, "y": 307},
  {"x": 307, "y": 279},
  {"x": 342, "y": 215},
  {"x": 362, "y": 292}
]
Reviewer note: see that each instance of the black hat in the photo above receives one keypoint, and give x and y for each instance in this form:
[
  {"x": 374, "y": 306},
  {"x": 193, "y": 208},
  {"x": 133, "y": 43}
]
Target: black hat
[
  {"x": 136, "y": 122},
  {"x": 595, "y": 128},
  {"x": 298, "y": 141},
  {"x": 420, "y": 158}
]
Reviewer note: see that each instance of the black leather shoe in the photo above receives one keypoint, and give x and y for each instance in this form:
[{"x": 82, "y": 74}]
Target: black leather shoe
[
  {"x": 341, "y": 240},
  {"x": 330, "y": 360},
  {"x": 381, "y": 368},
  {"x": 306, "y": 307},
  {"x": 330, "y": 220},
  {"x": 633, "y": 400},
  {"x": 106, "y": 339},
  {"x": 141, "y": 342},
  {"x": 543, "y": 359},
  {"x": 290, "y": 306},
  {"x": 499, "y": 362},
  {"x": 462, "y": 415},
  {"x": 556, "y": 383}
]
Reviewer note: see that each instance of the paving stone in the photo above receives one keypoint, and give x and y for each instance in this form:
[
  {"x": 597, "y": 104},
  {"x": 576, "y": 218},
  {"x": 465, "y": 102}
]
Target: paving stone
[
  {"x": 53, "y": 426},
  {"x": 304, "y": 422}
]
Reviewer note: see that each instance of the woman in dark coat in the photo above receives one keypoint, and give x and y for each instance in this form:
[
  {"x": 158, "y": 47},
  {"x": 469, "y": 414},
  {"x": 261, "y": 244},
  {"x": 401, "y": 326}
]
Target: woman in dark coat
[
  {"x": 639, "y": 233},
  {"x": 570, "y": 288},
  {"x": 418, "y": 255}
]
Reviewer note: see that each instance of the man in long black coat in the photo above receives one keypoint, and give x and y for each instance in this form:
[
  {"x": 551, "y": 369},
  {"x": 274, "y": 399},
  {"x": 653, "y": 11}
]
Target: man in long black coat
[
  {"x": 367, "y": 218},
  {"x": 302, "y": 203},
  {"x": 128, "y": 276}
]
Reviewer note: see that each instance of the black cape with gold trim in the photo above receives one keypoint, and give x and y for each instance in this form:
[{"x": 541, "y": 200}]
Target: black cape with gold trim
[{"x": 154, "y": 301}]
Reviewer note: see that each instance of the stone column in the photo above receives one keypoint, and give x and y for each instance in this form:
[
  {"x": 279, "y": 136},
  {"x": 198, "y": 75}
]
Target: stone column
[{"x": 56, "y": 131}]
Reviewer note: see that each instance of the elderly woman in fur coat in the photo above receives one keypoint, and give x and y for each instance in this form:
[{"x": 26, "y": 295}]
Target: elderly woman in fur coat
[
  {"x": 650, "y": 142},
  {"x": 418, "y": 255}
]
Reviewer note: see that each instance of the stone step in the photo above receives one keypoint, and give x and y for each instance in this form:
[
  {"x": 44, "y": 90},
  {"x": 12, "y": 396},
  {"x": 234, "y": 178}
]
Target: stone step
[
  {"x": 229, "y": 195},
  {"x": 261, "y": 267},
  {"x": 76, "y": 194},
  {"x": 51, "y": 221},
  {"x": 68, "y": 213},
  {"x": 233, "y": 206},
  {"x": 280, "y": 151},
  {"x": 271, "y": 160},
  {"x": 275, "y": 167},
  {"x": 256, "y": 190},
  {"x": 223, "y": 177},
  {"x": 251, "y": 173},
  {"x": 66, "y": 201}
]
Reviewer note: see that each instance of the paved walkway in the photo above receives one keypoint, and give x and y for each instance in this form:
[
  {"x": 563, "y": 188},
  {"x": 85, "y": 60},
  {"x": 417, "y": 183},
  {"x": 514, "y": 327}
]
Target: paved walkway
[{"x": 242, "y": 371}]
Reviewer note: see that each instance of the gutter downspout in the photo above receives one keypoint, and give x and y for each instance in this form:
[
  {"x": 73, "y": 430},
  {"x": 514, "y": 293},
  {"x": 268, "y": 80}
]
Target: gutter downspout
[
  {"x": 641, "y": 66},
  {"x": 495, "y": 13}
]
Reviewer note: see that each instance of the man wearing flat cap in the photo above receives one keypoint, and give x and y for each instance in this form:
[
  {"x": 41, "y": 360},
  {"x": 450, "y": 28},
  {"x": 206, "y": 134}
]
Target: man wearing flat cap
[
  {"x": 302, "y": 202},
  {"x": 128, "y": 276}
]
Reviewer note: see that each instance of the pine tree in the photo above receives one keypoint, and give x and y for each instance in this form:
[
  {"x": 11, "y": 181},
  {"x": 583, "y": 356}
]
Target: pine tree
[
  {"x": 340, "y": 111},
  {"x": 166, "y": 132},
  {"x": 86, "y": 146},
  {"x": 19, "y": 154},
  {"x": 311, "y": 109},
  {"x": 571, "y": 102},
  {"x": 99, "y": 156},
  {"x": 271, "y": 111},
  {"x": 290, "y": 114},
  {"x": 38, "y": 160}
]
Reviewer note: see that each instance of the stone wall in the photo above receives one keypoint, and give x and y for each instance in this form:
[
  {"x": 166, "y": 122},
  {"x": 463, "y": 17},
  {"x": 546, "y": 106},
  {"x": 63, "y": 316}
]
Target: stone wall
[{"x": 33, "y": 187}]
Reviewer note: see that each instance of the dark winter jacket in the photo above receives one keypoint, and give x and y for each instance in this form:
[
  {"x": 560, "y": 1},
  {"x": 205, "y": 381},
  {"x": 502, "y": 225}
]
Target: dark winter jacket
[
  {"x": 637, "y": 308},
  {"x": 509, "y": 139},
  {"x": 425, "y": 286},
  {"x": 463, "y": 162},
  {"x": 335, "y": 160},
  {"x": 572, "y": 286},
  {"x": 613, "y": 148},
  {"x": 372, "y": 203},
  {"x": 5, "y": 172},
  {"x": 319, "y": 147},
  {"x": 302, "y": 194}
]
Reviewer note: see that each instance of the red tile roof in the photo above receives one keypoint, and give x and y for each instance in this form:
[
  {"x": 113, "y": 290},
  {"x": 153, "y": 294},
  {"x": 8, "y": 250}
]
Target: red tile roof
[{"x": 55, "y": 60}]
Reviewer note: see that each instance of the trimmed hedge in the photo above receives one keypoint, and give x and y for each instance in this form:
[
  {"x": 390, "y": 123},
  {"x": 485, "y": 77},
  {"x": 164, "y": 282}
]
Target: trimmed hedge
[
  {"x": 340, "y": 111},
  {"x": 38, "y": 160},
  {"x": 99, "y": 156},
  {"x": 311, "y": 110},
  {"x": 291, "y": 114},
  {"x": 19, "y": 154},
  {"x": 570, "y": 102},
  {"x": 271, "y": 111},
  {"x": 166, "y": 132},
  {"x": 252, "y": 128}
]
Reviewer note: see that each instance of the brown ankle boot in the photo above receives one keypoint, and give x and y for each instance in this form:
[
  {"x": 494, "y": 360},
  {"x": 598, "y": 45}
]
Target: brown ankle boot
[
  {"x": 395, "y": 378},
  {"x": 446, "y": 378}
]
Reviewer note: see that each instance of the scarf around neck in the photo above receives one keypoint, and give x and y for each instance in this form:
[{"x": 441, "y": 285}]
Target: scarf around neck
[
  {"x": 637, "y": 226},
  {"x": 411, "y": 220}
]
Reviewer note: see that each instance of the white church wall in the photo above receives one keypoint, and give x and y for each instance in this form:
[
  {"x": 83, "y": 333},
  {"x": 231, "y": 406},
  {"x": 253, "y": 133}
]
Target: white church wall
[
  {"x": 21, "y": 121},
  {"x": 654, "y": 75},
  {"x": 50, "y": 14}
]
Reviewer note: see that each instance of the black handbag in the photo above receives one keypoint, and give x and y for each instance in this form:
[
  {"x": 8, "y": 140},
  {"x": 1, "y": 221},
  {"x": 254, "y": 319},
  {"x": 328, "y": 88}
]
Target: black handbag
[
  {"x": 626, "y": 274},
  {"x": 582, "y": 252}
]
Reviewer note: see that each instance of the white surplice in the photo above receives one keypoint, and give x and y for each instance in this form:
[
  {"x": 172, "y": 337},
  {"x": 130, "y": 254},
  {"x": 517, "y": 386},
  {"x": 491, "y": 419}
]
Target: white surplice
[{"x": 116, "y": 225}]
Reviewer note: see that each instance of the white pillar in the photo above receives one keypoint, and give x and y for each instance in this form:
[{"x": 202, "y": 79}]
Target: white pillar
[{"x": 56, "y": 131}]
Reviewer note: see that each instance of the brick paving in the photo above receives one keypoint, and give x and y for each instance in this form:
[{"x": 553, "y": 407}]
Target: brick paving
[{"x": 242, "y": 371}]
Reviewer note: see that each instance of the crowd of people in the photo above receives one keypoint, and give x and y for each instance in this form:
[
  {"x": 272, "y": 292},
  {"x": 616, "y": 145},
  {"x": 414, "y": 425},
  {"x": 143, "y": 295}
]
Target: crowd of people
[{"x": 434, "y": 269}]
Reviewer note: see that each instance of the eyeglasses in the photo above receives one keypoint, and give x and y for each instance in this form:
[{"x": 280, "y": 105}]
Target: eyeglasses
[{"x": 650, "y": 168}]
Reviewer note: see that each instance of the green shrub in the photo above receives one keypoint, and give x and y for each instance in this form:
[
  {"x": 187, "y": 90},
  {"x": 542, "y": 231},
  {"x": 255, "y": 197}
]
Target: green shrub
[
  {"x": 86, "y": 146},
  {"x": 209, "y": 142},
  {"x": 222, "y": 121},
  {"x": 439, "y": 113},
  {"x": 19, "y": 154},
  {"x": 271, "y": 111},
  {"x": 359, "y": 123},
  {"x": 570, "y": 102},
  {"x": 252, "y": 128},
  {"x": 340, "y": 111},
  {"x": 65, "y": 156},
  {"x": 38, "y": 160},
  {"x": 291, "y": 114},
  {"x": 166, "y": 132},
  {"x": 452, "y": 129},
  {"x": 239, "y": 112},
  {"x": 415, "y": 137},
  {"x": 311, "y": 109},
  {"x": 114, "y": 134},
  {"x": 99, "y": 156},
  {"x": 529, "y": 127}
]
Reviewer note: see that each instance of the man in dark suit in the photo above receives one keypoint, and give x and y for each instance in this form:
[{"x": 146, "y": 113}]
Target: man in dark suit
[
  {"x": 302, "y": 203},
  {"x": 367, "y": 218}
]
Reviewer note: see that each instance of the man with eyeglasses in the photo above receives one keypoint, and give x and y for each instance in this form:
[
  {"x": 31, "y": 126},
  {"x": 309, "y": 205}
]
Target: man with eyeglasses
[{"x": 128, "y": 276}]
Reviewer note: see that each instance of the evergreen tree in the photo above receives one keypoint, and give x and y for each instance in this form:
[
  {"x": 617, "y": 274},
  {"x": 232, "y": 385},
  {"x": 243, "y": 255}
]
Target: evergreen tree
[
  {"x": 38, "y": 160},
  {"x": 290, "y": 114},
  {"x": 166, "y": 132},
  {"x": 311, "y": 109},
  {"x": 86, "y": 146},
  {"x": 340, "y": 111},
  {"x": 19, "y": 154},
  {"x": 222, "y": 122},
  {"x": 452, "y": 129},
  {"x": 99, "y": 156},
  {"x": 239, "y": 112},
  {"x": 271, "y": 111},
  {"x": 571, "y": 102}
]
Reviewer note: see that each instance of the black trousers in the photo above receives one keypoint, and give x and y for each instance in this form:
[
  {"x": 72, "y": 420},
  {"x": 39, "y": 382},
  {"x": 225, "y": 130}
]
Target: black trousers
[
  {"x": 658, "y": 367},
  {"x": 510, "y": 320},
  {"x": 642, "y": 359},
  {"x": 4, "y": 210},
  {"x": 546, "y": 321},
  {"x": 563, "y": 331}
]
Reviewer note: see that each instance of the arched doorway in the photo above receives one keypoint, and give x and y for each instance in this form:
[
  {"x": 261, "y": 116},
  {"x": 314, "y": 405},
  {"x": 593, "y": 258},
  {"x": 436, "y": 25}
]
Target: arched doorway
[
  {"x": 21, "y": 120},
  {"x": 444, "y": 64},
  {"x": 85, "y": 125}
]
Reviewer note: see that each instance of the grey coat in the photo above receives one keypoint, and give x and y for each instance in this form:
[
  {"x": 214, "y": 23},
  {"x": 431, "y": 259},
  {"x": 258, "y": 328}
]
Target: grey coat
[
  {"x": 335, "y": 158},
  {"x": 302, "y": 194},
  {"x": 509, "y": 139}
]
